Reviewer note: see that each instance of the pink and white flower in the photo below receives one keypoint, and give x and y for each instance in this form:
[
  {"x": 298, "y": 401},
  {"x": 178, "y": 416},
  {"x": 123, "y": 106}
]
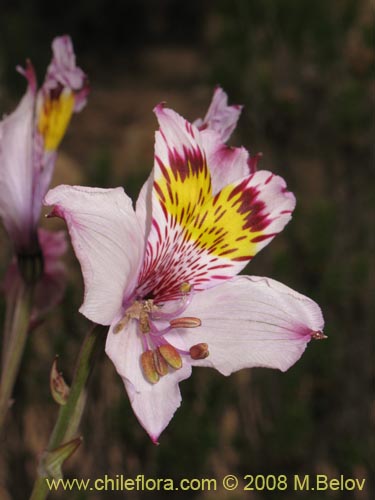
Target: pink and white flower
[
  {"x": 163, "y": 276},
  {"x": 29, "y": 138}
]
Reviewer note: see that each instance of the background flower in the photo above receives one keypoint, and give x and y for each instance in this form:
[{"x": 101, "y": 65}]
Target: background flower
[{"x": 29, "y": 138}]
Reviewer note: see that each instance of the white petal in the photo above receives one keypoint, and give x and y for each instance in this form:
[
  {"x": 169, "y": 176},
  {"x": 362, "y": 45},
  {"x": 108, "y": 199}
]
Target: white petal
[
  {"x": 16, "y": 171},
  {"x": 251, "y": 321},
  {"x": 220, "y": 117},
  {"x": 154, "y": 404},
  {"x": 108, "y": 242},
  {"x": 143, "y": 207},
  {"x": 227, "y": 164}
]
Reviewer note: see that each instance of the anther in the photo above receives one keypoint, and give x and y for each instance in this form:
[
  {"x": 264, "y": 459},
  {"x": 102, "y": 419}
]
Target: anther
[
  {"x": 185, "y": 287},
  {"x": 121, "y": 324},
  {"x": 148, "y": 367},
  {"x": 160, "y": 364},
  {"x": 171, "y": 356},
  {"x": 318, "y": 335},
  {"x": 144, "y": 322},
  {"x": 187, "y": 322},
  {"x": 199, "y": 351}
]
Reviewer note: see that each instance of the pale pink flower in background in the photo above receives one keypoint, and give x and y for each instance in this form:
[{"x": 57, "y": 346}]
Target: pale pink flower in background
[
  {"x": 29, "y": 138},
  {"x": 163, "y": 276}
]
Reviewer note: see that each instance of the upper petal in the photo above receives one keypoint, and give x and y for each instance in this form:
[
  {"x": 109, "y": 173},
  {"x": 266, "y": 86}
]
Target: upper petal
[
  {"x": 108, "y": 242},
  {"x": 199, "y": 236},
  {"x": 153, "y": 404},
  {"x": 252, "y": 321},
  {"x": 227, "y": 164},
  {"x": 63, "y": 69},
  {"x": 220, "y": 117},
  {"x": 64, "y": 91}
]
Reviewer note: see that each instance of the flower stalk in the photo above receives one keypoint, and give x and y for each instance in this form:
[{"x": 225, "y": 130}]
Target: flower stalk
[
  {"x": 15, "y": 341},
  {"x": 69, "y": 416}
]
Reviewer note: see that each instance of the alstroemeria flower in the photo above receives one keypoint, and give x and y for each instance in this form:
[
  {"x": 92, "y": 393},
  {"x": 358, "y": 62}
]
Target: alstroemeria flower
[
  {"x": 29, "y": 138},
  {"x": 163, "y": 276}
]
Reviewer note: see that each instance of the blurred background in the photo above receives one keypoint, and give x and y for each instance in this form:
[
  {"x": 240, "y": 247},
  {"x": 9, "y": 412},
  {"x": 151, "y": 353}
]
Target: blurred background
[{"x": 304, "y": 71}]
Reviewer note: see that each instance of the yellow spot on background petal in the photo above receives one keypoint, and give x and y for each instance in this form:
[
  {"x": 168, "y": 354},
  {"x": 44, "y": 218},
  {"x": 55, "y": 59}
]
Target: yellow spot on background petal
[{"x": 54, "y": 117}]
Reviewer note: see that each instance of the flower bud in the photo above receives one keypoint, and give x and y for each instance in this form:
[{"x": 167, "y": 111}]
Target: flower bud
[{"x": 59, "y": 388}]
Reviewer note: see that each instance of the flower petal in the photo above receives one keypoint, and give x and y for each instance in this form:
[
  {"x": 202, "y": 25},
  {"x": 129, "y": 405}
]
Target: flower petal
[
  {"x": 16, "y": 172},
  {"x": 64, "y": 71},
  {"x": 64, "y": 91},
  {"x": 198, "y": 236},
  {"x": 220, "y": 117},
  {"x": 251, "y": 321},
  {"x": 227, "y": 164},
  {"x": 107, "y": 241},
  {"x": 153, "y": 404},
  {"x": 143, "y": 206}
]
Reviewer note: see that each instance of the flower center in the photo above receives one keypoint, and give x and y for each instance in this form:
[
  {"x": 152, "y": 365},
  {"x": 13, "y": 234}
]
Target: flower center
[{"x": 154, "y": 322}]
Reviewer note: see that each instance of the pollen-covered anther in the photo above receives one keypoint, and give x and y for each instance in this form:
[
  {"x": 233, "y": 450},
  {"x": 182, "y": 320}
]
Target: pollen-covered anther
[
  {"x": 144, "y": 322},
  {"x": 160, "y": 364},
  {"x": 148, "y": 366},
  {"x": 171, "y": 356},
  {"x": 187, "y": 322},
  {"x": 121, "y": 324},
  {"x": 318, "y": 335},
  {"x": 185, "y": 287},
  {"x": 199, "y": 351}
]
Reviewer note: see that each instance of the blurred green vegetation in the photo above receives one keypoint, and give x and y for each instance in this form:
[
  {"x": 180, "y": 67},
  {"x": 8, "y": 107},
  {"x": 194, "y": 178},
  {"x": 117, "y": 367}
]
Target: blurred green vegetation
[{"x": 304, "y": 71}]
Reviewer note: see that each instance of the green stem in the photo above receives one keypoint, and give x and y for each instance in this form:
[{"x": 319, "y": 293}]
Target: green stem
[
  {"x": 69, "y": 415},
  {"x": 15, "y": 346}
]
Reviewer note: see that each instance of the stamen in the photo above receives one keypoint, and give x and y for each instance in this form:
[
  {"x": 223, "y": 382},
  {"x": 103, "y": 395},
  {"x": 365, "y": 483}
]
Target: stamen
[
  {"x": 187, "y": 322},
  {"x": 148, "y": 366},
  {"x": 160, "y": 363},
  {"x": 318, "y": 335},
  {"x": 144, "y": 323},
  {"x": 158, "y": 333},
  {"x": 171, "y": 356},
  {"x": 199, "y": 351},
  {"x": 121, "y": 324}
]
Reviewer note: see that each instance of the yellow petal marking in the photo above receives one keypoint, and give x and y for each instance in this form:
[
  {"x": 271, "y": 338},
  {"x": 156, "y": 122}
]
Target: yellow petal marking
[
  {"x": 54, "y": 117},
  {"x": 221, "y": 224}
]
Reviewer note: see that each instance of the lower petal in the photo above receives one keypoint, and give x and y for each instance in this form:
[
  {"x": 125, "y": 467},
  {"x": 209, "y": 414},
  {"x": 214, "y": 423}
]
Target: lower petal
[
  {"x": 153, "y": 404},
  {"x": 252, "y": 322}
]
